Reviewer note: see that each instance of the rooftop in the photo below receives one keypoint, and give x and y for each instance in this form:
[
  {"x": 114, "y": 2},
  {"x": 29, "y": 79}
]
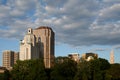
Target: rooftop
[{"x": 44, "y": 27}]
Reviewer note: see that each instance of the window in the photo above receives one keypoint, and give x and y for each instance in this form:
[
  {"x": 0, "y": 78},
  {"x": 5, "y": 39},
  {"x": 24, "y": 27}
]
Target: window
[
  {"x": 39, "y": 40},
  {"x": 26, "y": 53}
]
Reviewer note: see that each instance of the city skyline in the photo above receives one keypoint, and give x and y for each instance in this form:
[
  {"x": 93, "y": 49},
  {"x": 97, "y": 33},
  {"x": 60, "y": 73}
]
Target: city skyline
[{"x": 80, "y": 26}]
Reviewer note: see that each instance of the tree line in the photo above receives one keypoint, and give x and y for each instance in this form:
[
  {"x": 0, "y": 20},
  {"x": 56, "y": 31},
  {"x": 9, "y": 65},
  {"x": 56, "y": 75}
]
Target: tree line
[{"x": 64, "y": 69}]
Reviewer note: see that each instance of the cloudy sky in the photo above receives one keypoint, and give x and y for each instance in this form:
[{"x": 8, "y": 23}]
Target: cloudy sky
[{"x": 79, "y": 25}]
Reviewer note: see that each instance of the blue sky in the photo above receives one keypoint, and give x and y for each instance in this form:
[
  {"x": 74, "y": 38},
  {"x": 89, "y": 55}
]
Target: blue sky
[{"x": 79, "y": 25}]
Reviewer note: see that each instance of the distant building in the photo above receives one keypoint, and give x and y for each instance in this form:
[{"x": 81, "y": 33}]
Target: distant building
[
  {"x": 2, "y": 69},
  {"x": 61, "y": 59},
  {"x": 38, "y": 43},
  {"x": 89, "y": 56},
  {"x": 16, "y": 57},
  {"x": 74, "y": 56},
  {"x": 9, "y": 58},
  {"x": 112, "y": 57}
]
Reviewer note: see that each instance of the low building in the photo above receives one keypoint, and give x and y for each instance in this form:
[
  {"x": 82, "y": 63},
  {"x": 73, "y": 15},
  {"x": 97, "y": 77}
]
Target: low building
[
  {"x": 2, "y": 69},
  {"x": 74, "y": 56},
  {"x": 89, "y": 56}
]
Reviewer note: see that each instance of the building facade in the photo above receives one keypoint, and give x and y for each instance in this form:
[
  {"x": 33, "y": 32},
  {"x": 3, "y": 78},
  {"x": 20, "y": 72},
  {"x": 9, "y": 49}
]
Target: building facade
[
  {"x": 9, "y": 58},
  {"x": 16, "y": 57},
  {"x": 38, "y": 43},
  {"x": 28, "y": 46}
]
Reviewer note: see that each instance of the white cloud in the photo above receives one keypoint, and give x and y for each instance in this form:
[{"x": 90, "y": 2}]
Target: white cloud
[
  {"x": 76, "y": 22},
  {"x": 113, "y": 1},
  {"x": 16, "y": 13},
  {"x": 110, "y": 13}
]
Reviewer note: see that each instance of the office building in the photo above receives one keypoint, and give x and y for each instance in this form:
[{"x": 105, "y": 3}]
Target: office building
[{"x": 38, "y": 43}]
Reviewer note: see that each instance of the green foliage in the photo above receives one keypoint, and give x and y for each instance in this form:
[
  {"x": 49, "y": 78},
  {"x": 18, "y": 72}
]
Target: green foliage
[
  {"x": 6, "y": 75},
  {"x": 60, "y": 59},
  {"x": 29, "y": 70},
  {"x": 98, "y": 68},
  {"x": 64, "y": 70},
  {"x": 1, "y": 76},
  {"x": 83, "y": 71},
  {"x": 99, "y": 64},
  {"x": 92, "y": 70},
  {"x": 114, "y": 72}
]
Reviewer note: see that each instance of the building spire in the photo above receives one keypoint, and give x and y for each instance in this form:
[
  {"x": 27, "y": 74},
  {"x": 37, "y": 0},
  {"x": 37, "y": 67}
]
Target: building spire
[{"x": 112, "y": 57}]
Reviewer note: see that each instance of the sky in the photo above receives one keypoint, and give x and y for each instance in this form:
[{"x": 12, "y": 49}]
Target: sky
[{"x": 80, "y": 26}]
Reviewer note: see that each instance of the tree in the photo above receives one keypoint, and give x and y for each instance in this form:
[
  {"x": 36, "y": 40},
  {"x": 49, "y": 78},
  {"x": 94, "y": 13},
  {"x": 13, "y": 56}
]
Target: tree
[
  {"x": 92, "y": 70},
  {"x": 29, "y": 70},
  {"x": 1, "y": 76},
  {"x": 83, "y": 71},
  {"x": 114, "y": 72},
  {"x": 6, "y": 75},
  {"x": 64, "y": 70},
  {"x": 98, "y": 68}
]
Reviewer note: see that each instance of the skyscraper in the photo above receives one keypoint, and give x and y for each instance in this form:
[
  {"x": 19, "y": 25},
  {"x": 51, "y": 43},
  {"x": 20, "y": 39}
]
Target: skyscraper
[
  {"x": 38, "y": 43},
  {"x": 9, "y": 58},
  {"x": 45, "y": 36}
]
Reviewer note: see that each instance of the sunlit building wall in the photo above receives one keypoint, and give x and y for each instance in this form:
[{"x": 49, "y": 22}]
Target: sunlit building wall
[
  {"x": 38, "y": 43},
  {"x": 9, "y": 58}
]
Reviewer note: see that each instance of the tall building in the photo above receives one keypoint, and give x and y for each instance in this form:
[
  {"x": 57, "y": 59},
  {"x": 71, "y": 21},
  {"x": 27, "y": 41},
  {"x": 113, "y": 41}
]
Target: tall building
[
  {"x": 74, "y": 56},
  {"x": 28, "y": 47},
  {"x": 45, "y": 38},
  {"x": 112, "y": 57},
  {"x": 38, "y": 43},
  {"x": 9, "y": 58},
  {"x": 89, "y": 56},
  {"x": 16, "y": 57}
]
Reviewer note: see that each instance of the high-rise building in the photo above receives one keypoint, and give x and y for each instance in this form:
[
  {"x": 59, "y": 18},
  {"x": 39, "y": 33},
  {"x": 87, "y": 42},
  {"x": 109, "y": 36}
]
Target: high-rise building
[
  {"x": 9, "y": 58},
  {"x": 112, "y": 57},
  {"x": 16, "y": 57},
  {"x": 45, "y": 37},
  {"x": 38, "y": 43}
]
